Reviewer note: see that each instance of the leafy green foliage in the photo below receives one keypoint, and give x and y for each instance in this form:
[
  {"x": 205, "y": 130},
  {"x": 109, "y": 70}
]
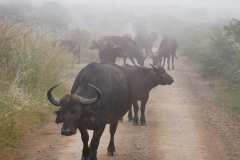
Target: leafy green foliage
[{"x": 218, "y": 54}]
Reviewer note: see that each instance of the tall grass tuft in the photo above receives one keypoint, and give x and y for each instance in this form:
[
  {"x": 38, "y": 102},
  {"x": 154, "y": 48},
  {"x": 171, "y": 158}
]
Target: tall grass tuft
[{"x": 29, "y": 65}]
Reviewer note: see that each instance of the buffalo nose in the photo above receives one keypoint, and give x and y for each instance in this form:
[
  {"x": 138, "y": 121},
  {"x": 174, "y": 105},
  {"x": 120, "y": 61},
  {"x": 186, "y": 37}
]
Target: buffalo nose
[
  {"x": 172, "y": 80},
  {"x": 67, "y": 132}
]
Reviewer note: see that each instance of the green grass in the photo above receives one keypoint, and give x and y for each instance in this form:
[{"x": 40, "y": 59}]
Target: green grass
[
  {"x": 29, "y": 66},
  {"x": 230, "y": 99},
  {"x": 217, "y": 54}
]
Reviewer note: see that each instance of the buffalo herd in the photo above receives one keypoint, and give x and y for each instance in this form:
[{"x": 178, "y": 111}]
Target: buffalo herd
[{"x": 104, "y": 92}]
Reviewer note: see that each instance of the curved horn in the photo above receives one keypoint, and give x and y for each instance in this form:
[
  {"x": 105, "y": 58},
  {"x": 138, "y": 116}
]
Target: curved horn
[
  {"x": 88, "y": 101},
  {"x": 153, "y": 66},
  {"x": 51, "y": 98}
]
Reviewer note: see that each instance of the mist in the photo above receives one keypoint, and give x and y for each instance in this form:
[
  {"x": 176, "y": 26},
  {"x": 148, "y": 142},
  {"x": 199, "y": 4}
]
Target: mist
[
  {"x": 106, "y": 17},
  {"x": 111, "y": 46}
]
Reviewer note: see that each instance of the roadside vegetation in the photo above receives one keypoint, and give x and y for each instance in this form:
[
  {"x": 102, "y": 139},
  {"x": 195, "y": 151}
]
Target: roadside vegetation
[
  {"x": 31, "y": 61},
  {"x": 217, "y": 51},
  {"x": 29, "y": 65}
]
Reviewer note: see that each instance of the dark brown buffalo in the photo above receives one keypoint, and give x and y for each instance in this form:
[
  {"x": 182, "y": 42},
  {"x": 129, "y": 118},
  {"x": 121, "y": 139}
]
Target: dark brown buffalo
[
  {"x": 167, "y": 52},
  {"x": 146, "y": 41},
  {"x": 99, "y": 96},
  {"x": 142, "y": 80},
  {"x": 108, "y": 52},
  {"x": 111, "y": 47}
]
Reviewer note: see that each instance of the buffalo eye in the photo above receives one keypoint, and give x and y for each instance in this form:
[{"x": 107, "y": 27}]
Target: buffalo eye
[
  {"x": 162, "y": 71},
  {"x": 72, "y": 111}
]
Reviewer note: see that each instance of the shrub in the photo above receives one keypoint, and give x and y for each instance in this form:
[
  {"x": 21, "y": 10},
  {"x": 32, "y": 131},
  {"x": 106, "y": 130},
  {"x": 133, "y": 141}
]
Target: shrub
[
  {"x": 29, "y": 65},
  {"x": 220, "y": 59}
]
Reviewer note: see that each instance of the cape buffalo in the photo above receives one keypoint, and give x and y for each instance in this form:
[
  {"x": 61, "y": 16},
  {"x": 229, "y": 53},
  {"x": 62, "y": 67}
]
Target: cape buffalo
[
  {"x": 99, "y": 96},
  {"x": 167, "y": 52},
  {"x": 145, "y": 41},
  {"x": 121, "y": 47},
  {"x": 108, "y": 52},
  {"x": 141, "y": 81}
]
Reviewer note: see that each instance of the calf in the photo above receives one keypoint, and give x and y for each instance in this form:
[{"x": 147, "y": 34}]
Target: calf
[{"x": 141, "y": 81}]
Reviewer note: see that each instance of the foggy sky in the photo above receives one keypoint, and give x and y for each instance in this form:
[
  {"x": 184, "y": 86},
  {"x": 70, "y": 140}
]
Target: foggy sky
[{"x": 181, "y": 3}]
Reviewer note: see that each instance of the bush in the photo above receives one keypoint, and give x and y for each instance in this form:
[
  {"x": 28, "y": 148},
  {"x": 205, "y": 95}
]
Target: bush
[
  {"x": 217, "y": 51},
  {"x": 218, "y": 54},
  {"x": 29, "y": 66}
]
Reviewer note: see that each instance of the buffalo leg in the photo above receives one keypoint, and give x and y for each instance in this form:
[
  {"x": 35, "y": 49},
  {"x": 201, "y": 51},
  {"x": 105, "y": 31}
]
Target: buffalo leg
[
  {"x": 160, "y": 59},
  {"x": 124, "y": 60},
  {"x": 111, "y": 146},
  {"x": 95, "y": 143},
  {"x": 168, "y": 62},
  {"x": 173, "y": 62},
  {"x": 130, "y": 116},
  {"x": 163, "y": 63},
  {"x": 85, "y": 138},
  {"x": 132, "y": 60},
  {"x": 135, "y": 108},
  {"x": 114, "y": 60},
  {"x": 143, "y": 107}
]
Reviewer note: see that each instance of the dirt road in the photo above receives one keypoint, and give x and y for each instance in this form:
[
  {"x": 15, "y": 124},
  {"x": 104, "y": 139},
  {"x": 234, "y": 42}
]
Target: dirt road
[{"x": 183, "y": 123}]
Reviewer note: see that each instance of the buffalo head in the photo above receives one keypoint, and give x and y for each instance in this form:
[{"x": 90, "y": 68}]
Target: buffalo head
[
  {"x": 71, "y": 109},
  {"x": 161, "y": 76}
]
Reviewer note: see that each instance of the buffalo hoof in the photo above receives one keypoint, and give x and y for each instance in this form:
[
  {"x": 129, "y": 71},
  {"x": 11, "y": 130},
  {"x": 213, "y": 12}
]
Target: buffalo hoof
[
  {"x": 130, "y": 118},
  {"x": 84, "y": 158},
  {"x": 92, "y": 156},
  {"x": 111, "y": 153},
  {"x": 143, "y": 123},
  {"x": 135, "y": 123},
  {"x": 111, "y": 150}
]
